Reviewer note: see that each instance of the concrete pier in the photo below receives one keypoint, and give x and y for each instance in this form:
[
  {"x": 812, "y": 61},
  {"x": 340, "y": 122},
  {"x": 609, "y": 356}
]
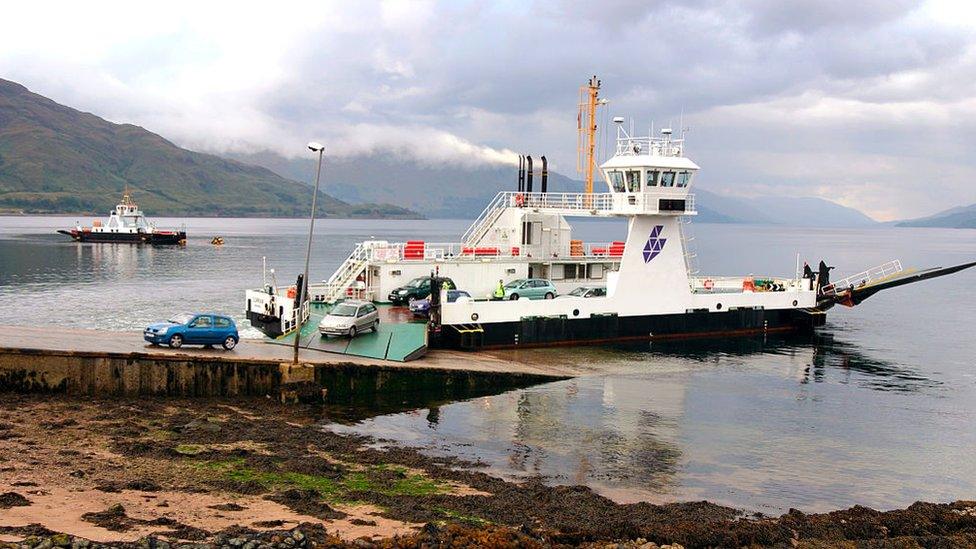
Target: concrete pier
[{"x": 102, "y": 363}]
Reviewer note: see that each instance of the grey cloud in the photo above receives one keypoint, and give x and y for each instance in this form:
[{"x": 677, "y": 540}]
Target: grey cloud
[
  {"x": 507, "y": 75},
  {"x": 804, "y": 16}
]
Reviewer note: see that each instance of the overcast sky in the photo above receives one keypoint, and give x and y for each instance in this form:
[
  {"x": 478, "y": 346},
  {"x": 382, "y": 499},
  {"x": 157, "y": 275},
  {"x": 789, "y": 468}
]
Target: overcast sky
[{"x": 871, "y": 103}]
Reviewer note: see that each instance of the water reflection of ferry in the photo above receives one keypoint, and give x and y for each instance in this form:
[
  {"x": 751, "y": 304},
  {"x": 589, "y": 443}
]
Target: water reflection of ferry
[
  {"x": 126, "y": 224},
  {"x": 642, "y": 433}
]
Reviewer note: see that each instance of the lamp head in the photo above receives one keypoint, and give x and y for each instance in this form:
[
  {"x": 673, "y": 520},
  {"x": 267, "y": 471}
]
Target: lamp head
[{"x": 315, "y": 146}]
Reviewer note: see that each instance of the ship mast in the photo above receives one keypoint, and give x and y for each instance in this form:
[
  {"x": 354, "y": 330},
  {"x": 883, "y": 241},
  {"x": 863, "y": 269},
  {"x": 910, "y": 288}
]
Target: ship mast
[{"x": 586, "y": 130}]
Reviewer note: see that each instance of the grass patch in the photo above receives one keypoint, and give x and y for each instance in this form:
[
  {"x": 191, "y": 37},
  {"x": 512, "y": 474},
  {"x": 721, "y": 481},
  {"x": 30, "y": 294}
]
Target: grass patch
[
  {"x": 416, "y": 485},
  {"x": 454, "y": 515},
  {"x": 160, "y": 435},
  {"x": 190, "y": 449},
  {"x": 370, "y": 479}
]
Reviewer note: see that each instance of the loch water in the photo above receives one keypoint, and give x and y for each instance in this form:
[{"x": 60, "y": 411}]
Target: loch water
[{"x": 878, "y": 408}]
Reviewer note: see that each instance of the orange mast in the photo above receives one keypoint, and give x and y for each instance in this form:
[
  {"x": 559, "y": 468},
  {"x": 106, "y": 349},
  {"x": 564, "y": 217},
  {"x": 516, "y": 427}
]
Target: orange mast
[{"x": 586, "y": 130}]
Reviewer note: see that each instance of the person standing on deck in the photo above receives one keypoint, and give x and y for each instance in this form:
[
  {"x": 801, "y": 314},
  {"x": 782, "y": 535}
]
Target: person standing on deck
[
  {"x": 823, "y": 278},
  {"x": 807, "y": 275},
  {"x": 499, "y": 291}
]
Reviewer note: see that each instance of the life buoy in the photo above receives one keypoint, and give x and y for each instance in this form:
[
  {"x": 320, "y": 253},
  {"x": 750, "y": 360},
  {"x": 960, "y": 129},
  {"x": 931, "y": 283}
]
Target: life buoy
[
  {"x": 519, "y": 200},
  {"x": 709, "y": 284}
]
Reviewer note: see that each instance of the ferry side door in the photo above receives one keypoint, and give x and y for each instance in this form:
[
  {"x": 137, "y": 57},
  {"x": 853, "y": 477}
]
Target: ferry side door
[{"x": 200, "y": 330}]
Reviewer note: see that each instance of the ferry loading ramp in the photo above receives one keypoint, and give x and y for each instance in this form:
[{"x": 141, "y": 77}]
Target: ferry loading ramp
[{"x": 398, "y": 338}]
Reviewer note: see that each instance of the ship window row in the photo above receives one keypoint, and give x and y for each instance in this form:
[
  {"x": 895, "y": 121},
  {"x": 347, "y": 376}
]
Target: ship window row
[{"x": 630, "y": 181}]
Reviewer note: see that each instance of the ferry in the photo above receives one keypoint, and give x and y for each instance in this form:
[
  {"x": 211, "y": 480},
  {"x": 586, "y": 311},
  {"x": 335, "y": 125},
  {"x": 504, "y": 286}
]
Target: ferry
[
  {"x": 651, "y": 291},
  {"x": 126, "y": 224}
]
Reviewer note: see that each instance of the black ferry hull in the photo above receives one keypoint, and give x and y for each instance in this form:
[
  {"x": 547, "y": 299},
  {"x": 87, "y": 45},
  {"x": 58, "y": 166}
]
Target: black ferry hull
[
  {"x": 557, "y": 331},
  {"x": 162, "y": 238}
]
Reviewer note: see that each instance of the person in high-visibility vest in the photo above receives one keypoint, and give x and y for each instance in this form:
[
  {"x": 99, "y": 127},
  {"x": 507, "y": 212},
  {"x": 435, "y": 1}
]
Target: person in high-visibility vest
[
  {"x": 447, "y": 285},
  {"x": 500, "y": 290}
]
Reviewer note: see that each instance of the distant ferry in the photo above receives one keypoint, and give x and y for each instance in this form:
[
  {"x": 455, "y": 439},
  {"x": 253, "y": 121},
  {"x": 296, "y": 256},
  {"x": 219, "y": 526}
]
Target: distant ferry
[{"x": 126, "y": 224}]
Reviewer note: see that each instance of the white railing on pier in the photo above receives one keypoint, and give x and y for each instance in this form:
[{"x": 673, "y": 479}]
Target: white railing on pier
[{"x": 859, "y": 280}]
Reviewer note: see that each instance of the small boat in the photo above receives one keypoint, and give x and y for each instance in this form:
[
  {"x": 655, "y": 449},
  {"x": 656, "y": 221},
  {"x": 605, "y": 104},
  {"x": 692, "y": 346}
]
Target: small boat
[{"x": 126, "y": 224}]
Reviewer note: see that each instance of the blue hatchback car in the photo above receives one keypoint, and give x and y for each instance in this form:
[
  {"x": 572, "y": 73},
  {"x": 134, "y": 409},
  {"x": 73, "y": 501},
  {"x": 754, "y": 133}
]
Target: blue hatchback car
[{"x": 193, "y": 329}]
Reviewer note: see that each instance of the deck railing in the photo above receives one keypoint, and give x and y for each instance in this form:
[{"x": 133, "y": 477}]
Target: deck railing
[
  {"x": 458, "y": 251},
  {"x": 660, "y": 200},
  {"x": 728, "y": 284},
  {"x": 655, "y": 201},
  {"x": 862, "y": 279},
  {"x": 290, "y": 322}
]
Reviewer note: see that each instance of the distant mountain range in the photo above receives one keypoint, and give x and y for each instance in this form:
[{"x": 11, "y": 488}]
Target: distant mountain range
[
  {"x": 459, "y": 191},
  {"x": 963, "y": 217},
  {"x": 450, "y": 190},
  {"x": 55, "y": 159},
  {"x": 777, "y": 210}
]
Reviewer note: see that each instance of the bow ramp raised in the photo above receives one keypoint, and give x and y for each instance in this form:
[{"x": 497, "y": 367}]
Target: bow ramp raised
[{"x": 853, "y": 290}]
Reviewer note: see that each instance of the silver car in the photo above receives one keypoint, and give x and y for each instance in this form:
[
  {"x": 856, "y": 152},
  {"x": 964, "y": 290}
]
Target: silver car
[
  {"x": 586, "y": 292},
  {"x": 350, "y": 318}
]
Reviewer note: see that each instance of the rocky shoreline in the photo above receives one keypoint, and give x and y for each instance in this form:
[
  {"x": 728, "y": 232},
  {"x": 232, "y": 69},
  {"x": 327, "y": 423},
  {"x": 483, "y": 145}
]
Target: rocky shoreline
[{"x": 256, "y": 474}]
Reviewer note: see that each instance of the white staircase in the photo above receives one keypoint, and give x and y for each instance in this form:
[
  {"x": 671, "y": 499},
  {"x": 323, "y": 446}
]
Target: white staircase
[
  {"x": 479, "y": 228},
  {"x": 345, "y": 275}
]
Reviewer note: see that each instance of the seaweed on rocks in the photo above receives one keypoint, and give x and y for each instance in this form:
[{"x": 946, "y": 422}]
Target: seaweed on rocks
[
  {"x": 228, "y": 507},
  {"x": 113, "y": 518},
  {"x": 13, "y": 499},
  {"x": 306, "y": 502}
]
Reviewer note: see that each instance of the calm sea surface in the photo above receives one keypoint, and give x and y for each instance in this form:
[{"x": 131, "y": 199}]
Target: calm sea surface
[{"x": 879, "y": 409}]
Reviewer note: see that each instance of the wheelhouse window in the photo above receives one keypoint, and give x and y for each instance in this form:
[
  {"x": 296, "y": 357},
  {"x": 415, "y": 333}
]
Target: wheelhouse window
[
  {"x": 616, "y": 180},
  {"x": 684, "y": 178},
  {"x": 667, "y": 179},
  {"x": 652, "y": 178},
  {"x": 633, "y": 181}
]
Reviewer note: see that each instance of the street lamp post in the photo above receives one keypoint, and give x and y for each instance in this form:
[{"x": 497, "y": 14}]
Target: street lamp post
[{"x": 303, "y": 294}]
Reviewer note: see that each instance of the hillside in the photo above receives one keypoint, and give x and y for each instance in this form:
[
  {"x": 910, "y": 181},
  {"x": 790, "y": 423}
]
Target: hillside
[
  {"x": 963, "y": 217},
  {"x": 782, "y": 210},
  {"x": 55, "y": 159},
  {"x": 458, "y": 191}
]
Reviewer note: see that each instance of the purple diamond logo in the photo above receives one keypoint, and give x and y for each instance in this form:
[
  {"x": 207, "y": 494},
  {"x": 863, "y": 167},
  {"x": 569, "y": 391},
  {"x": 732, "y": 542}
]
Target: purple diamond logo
[{"x": 654, "y": 244}]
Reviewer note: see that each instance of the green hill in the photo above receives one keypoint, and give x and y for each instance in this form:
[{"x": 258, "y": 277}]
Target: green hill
[{"x": 55, "y": 159}]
